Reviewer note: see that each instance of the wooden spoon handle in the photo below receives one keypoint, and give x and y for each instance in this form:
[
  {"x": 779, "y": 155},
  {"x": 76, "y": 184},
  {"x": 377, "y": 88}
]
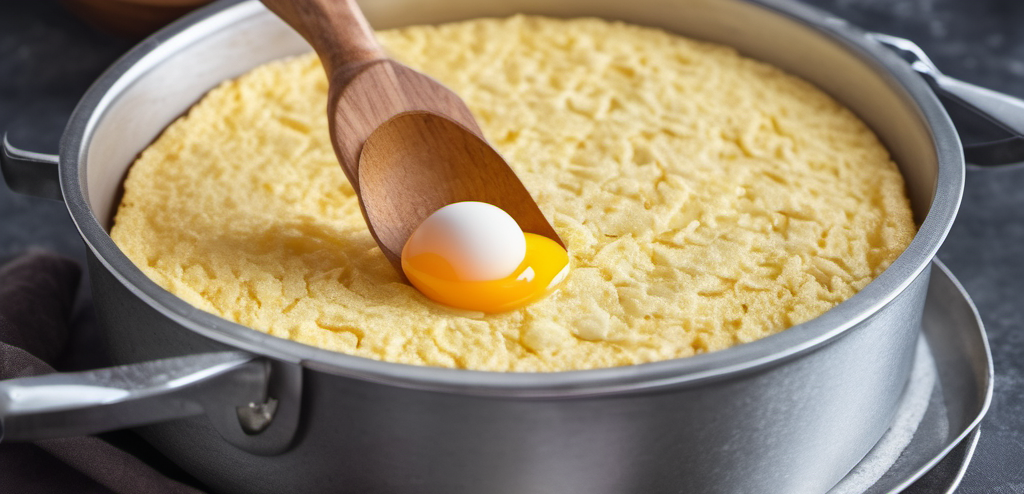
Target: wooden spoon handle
[{"x": 336, "y": 29}]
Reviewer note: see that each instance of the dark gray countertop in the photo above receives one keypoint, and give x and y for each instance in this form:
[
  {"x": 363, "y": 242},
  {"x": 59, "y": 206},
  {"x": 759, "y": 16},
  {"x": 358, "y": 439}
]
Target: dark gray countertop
[{"x": 48, "y": 59}]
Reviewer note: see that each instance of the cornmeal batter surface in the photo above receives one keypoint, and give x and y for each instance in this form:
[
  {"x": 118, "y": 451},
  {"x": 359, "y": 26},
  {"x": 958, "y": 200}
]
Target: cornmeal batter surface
[{"x": 706, "y": 200}]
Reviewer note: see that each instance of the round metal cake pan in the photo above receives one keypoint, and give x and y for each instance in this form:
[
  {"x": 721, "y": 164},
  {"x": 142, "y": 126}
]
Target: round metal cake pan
[{"x": 793, "y": 412}]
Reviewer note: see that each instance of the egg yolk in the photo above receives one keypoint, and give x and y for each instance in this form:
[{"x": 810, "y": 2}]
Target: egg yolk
[{"x": 543, "y": 268}]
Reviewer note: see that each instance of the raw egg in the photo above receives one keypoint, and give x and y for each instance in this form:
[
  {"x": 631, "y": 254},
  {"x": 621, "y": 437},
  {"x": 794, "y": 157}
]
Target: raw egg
[{"x": 473, "y": 255}]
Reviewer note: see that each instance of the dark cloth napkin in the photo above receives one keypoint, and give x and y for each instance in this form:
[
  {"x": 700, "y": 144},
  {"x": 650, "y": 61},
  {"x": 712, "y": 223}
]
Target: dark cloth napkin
[{"x": 37, "y": 335}]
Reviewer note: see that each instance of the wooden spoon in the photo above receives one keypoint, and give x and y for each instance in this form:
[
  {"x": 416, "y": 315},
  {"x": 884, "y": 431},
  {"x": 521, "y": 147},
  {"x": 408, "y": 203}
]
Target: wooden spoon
[{"x": 408, "y": 145}]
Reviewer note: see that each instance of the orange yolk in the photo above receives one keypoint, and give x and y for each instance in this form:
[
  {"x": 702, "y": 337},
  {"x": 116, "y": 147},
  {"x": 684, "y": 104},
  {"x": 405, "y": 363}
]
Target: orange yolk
[{"x": 434, "y": 275}]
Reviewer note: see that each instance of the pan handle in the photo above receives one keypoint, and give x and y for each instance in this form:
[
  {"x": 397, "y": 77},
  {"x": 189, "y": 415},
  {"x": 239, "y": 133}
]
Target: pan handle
[
  {"x": 991, "y": 124},
  {"x": 30, "y": 173},
  {"x": 78, "y": 403}
]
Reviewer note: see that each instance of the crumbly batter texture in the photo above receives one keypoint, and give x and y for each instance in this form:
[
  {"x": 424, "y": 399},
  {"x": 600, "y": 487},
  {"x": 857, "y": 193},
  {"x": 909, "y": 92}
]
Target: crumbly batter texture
[{"x": 706, "y": 199}]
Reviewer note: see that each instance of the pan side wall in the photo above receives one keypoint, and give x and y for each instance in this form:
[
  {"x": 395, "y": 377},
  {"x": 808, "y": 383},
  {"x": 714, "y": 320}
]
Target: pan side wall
[{"x": 798, "y": 426}]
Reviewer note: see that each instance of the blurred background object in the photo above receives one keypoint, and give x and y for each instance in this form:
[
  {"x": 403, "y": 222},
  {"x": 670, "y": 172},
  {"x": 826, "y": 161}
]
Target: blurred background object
[{"x": 130, "y": 18}]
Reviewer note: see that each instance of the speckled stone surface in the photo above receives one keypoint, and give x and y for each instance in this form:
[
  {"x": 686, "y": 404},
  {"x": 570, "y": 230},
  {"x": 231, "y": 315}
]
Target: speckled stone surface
[{"x": 48, "y": 59}]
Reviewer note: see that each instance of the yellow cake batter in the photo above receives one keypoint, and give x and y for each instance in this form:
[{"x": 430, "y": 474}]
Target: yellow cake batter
[{"x": 706, "y": 200}]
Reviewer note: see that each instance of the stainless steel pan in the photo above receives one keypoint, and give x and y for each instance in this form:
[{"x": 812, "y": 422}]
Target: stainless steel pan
[{"x": 252, "y": 413}]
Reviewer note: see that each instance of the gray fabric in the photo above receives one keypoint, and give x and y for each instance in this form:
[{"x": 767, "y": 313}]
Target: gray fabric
[{"x": 37, "y": 293}]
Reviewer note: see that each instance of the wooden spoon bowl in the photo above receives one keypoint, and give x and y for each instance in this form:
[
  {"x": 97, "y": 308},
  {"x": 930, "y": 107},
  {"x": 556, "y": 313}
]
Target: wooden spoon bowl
[{"x": 417, "y": 151}]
